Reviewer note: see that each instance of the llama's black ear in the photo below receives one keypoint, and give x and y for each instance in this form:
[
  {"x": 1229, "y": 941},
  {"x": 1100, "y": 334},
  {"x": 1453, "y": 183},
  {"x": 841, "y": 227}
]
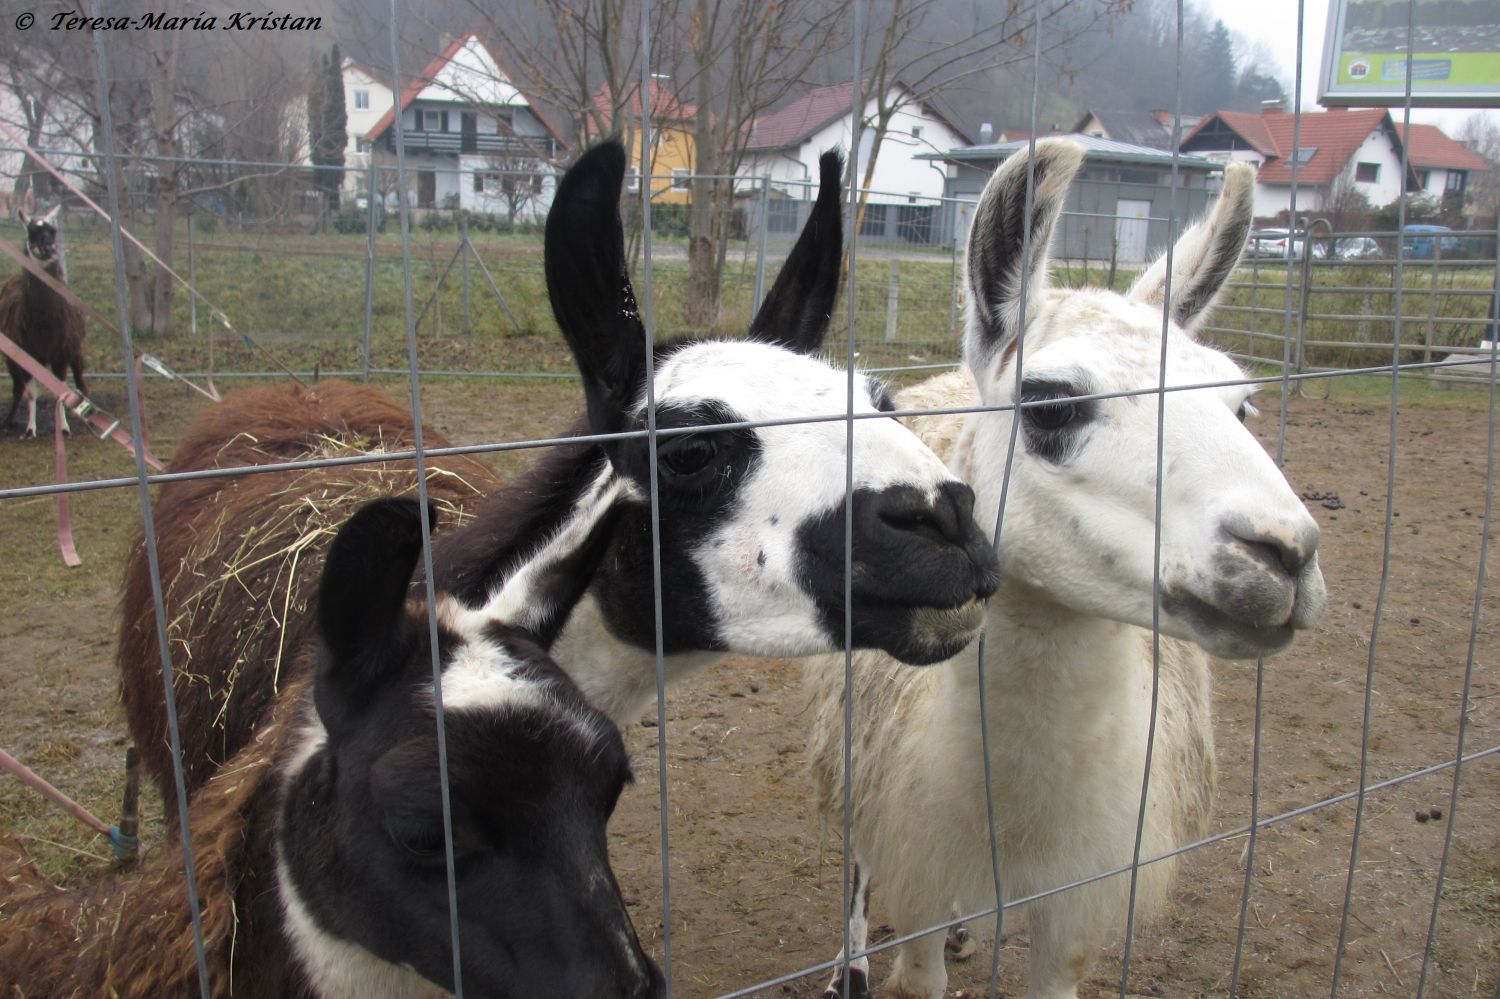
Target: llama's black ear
[
  {"x": 590, "y": 288},
  {"x": 797, "y": 310},
  {"x": 1002, "y": 236},
  {"x": 362, "y": 599},
  {"x": 1204, "y": 255}
]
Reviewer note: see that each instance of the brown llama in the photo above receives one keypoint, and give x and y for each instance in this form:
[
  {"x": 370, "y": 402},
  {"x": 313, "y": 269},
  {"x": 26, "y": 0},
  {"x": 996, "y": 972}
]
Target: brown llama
[
  {"x": 41, "y": 321},
  {"x": 319, "y": 849},
  {"x": 225, "y": 680}
]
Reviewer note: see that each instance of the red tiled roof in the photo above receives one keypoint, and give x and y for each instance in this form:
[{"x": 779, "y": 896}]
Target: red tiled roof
[
  {"x": 801, "y": 118},
  {"x": 1431, "y": 148},
  {"x": 1336, "y": 135},
  {"x": 422, "y": 80},
  {"x": 665, "y": 105}
]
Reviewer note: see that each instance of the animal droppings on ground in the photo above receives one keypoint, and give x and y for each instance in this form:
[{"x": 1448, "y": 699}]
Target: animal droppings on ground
[{"x": 1330, "y": 500}]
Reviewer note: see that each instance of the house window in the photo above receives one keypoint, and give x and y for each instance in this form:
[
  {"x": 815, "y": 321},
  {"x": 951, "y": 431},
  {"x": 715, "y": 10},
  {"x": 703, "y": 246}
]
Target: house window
[
  {"x": 1367, "y": 173},
  {"x": 679, "y": 178},
  {"x": 1422, "y": 177},
  {"x": 632, "y": 179},
  {"x": 1455, "y": 180},
  {"x": 431, "y": 121},
  {"x": 916, "y": 131},
  {"x": 362, "y": 100},
  {"x": 361, "y": 146}
]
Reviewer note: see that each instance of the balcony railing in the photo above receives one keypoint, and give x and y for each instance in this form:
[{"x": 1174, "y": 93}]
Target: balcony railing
[{"x": 534, "y": 147}]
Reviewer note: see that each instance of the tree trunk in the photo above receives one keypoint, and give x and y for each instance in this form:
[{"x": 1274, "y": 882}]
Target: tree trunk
[
  {"x": 702, "y": 309},
  {"x": 157, "y": 293}
]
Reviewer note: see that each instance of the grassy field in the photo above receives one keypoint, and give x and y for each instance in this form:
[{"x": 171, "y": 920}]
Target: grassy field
[{"x": 302, "y": 298}]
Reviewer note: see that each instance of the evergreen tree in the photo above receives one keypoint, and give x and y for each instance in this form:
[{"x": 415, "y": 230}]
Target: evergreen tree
[
  {"x": 1215, "y": 72},
  {"x": 1255, "y": 87},
  {"x": 327, "y": 125}
]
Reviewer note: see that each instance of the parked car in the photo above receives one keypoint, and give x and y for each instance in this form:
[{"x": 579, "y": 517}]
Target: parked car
[
  {"x": 1274, "y": 243},
  {"x": 1425, "y": 241},
  {"x": 1357, "y": 248}
]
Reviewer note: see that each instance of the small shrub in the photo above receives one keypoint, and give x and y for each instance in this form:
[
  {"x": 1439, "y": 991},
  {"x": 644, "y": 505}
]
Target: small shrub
[{"x": 352, "y": 220}]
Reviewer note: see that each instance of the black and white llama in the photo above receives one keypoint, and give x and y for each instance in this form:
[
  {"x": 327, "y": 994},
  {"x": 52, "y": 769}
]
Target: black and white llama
[
  {"x": 752, "y": 517},
  {"x": 319, "y": 849},
  {"x": 40, "y": 320}
]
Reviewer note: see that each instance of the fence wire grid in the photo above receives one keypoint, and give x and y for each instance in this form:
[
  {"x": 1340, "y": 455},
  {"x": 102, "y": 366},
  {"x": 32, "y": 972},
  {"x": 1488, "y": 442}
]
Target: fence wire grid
[{"x": 455, "y": 296}]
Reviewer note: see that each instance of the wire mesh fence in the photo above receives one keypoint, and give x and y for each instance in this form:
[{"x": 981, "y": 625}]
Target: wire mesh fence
[{"x": 1353, "y": 845}]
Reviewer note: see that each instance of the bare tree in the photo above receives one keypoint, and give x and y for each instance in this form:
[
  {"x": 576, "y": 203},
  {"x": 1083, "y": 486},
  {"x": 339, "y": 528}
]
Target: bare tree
[
  {"x": 1481, "y": 133},
  {"x": 168, "y": 103},
  {"x": 918, "y": 51},
  {"x": 740, "y": 59}
]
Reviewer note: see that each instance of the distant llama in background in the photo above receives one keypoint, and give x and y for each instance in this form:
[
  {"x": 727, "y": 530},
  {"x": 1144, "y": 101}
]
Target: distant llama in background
[
  {"x": 319, "y": 849},
  {"x": 40, "y": 320},
  {"x": 1069, "y": 683}
]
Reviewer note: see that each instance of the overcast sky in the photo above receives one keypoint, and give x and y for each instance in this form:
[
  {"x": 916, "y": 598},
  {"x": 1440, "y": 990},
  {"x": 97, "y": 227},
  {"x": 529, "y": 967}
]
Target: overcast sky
[{"x": 1274, "y": 22}]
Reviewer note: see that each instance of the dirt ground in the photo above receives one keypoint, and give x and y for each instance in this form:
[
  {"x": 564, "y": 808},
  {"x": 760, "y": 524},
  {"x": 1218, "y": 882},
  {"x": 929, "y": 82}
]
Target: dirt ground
[{"x": 755, "y": 885}]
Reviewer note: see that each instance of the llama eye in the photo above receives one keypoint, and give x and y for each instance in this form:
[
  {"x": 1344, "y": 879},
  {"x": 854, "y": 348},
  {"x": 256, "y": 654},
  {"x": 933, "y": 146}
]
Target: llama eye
[
  {"x": 1246, "y": 411},
  {"x": 1053, "y": 416},
  {"x": 418, "y": 838},
  {"x": 687, "y": 455}
]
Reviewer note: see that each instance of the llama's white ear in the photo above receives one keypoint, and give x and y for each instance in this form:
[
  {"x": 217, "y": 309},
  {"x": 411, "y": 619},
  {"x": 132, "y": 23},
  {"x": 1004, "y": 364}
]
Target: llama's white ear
[
  {"x": 51, "y": 217},
  {"x": 1205, "y": 254},
  {"x": 1008, "y": 245}
]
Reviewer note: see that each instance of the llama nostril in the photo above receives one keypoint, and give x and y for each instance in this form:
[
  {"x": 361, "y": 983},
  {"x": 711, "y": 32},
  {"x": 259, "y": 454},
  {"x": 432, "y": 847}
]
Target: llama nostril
[{"x": 1277, "y": 546}]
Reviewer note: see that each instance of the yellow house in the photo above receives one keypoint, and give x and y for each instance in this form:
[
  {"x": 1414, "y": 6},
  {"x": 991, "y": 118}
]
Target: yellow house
[{"x": 672, "y": 147}]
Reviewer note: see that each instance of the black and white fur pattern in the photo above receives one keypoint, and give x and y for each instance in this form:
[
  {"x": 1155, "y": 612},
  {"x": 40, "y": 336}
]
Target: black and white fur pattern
[
  {"x": 752, "y": 519},
  {"x": 1069, "y": 675},
  {"x": 534, "y": 774}
]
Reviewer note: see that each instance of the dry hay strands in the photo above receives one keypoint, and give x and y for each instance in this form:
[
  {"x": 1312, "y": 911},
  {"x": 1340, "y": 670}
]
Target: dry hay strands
[{"x": 240, "y": 556}]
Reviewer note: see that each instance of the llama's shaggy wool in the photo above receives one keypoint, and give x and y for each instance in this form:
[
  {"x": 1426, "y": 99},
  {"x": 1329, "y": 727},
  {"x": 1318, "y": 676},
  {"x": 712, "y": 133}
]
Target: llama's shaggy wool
[{"x": 248, "y": 549}]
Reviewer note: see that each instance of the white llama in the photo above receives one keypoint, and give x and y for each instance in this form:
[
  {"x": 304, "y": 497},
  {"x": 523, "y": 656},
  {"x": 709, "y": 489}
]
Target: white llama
[{"x": 1069, "y": 662}]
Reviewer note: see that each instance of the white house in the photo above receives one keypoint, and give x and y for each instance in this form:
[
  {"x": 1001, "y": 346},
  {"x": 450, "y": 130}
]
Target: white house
[
  {"x": 1334, "y": 150},
  {"x": 472, "y": 139},
  {"x": 367, "y": 96},
  {"x": 785, "y": 144}
]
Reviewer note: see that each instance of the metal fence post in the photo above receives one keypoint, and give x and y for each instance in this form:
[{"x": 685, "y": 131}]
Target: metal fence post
[
  {"x": 369, "y": 272},
  {"x": 760, "y": 253},
  {"x": 464, "y": 249},
  {"x": 1432, "y": 293},
  {"x": 959, "y": 211},
  {"x": 893, "y": 300},
  {"x": 192, "y": 278}
]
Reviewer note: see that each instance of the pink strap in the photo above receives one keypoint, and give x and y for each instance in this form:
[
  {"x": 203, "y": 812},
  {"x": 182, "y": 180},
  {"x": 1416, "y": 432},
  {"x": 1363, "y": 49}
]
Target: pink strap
[
  {"x": 72, "y": 807},
  {"x": 79, "y": 405},
  {"x": 64, "y": 516}
]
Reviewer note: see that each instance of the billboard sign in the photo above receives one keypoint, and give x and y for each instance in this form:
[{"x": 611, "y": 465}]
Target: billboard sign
[{"x": 1455, "y": 53}]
